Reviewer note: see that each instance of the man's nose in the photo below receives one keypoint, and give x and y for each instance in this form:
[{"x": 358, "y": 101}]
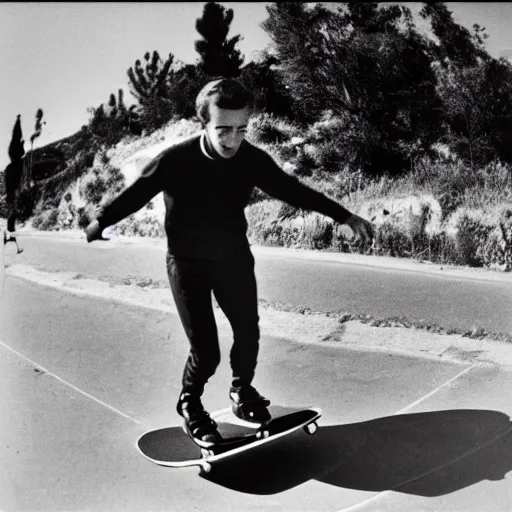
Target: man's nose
[{"x": 234, "y": 138}]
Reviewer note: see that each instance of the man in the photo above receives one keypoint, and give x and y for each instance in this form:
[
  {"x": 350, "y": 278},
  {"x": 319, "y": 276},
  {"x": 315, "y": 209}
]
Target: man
[{"x": 207, "y": 181}]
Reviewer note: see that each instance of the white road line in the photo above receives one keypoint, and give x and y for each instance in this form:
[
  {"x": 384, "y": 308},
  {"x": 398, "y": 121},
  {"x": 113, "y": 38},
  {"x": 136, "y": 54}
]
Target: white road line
[
  {"x": 359, "y": 506},
  {"x": 81, "y": 391},
  {"x": 435, "y": 391}
]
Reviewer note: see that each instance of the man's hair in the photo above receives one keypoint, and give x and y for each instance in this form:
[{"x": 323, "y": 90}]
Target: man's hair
[{"x": 225, "y": 93}]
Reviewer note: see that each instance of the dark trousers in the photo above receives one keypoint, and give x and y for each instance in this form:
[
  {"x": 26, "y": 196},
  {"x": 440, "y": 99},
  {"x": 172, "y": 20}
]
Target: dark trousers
[{"x": 233, "y": 284}]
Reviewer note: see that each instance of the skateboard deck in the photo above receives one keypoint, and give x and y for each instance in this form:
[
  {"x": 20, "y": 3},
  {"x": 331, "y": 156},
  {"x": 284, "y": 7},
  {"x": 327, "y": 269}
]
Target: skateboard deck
[{"x": 172, "y": 447}]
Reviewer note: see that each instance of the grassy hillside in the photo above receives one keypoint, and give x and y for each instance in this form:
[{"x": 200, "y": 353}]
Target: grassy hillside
[{"x": 442, "y": 211}]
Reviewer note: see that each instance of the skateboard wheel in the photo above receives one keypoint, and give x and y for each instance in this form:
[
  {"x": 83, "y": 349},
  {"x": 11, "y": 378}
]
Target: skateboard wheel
[
  {"x": 311, "y": 428},
  {"x": 262, "y": 434},
  {"x": 206, "y": 467}
]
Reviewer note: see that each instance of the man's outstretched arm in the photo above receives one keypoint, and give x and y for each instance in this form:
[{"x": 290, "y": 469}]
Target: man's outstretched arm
[
  {"x": 277, "y": 183},
  {"x": 130, "y": 200}
]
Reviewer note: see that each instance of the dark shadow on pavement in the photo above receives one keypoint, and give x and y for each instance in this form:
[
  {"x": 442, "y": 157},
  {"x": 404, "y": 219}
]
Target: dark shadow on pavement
[{"x": 424, "y": 454}]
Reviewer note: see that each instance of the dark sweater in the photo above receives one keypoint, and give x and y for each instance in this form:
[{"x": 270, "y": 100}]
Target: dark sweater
[{"x": 205, "y": 198}]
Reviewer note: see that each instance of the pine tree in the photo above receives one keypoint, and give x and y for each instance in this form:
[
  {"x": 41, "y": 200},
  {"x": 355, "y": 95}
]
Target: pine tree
[
  {"x": 218, "y": 55},
  {"x": 149, "y": 85}
]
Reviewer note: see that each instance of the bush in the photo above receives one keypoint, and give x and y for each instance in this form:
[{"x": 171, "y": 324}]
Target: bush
[
  {"x": 318, "y": 232},
  {"x": 102, "y": 184},
  {"x": 471, "y": 236},
  {"x": 392, "y": 241},
  {"x": 496, "y": 250},
  {"x": 268, "y": 129},
  {"x": 150, "y": 227},
  {"x": 46, "y": 220}
]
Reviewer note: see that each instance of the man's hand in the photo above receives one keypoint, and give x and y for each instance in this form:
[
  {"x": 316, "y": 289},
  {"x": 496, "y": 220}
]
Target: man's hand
[
  {"x": 94, "y": 232},
  {"x": 363, "y": 230}
]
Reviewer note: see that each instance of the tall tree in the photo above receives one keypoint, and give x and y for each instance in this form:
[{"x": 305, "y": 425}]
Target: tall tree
[
  {"x": 478, "y": 112},
  {"x": 219, "y": 56},
  {"x": 17, "y": 144},
  {"x": 296, "y": 42},
  {"x": 38, "y": 129},
  {"x": 13, "y": 172},
  {"x": 149, "y": 85},
  {"x": 457, "y": 45},
  {"x": 184, "y": 86},
  {"x": 475, "y": 89},
  {"x": 270, "y": 93},
  {"x": 367, "y": 65}
]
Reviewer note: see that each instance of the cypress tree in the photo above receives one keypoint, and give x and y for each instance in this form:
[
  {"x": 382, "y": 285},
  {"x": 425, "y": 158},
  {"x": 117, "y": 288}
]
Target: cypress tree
[{"x": 218, "y": 55}]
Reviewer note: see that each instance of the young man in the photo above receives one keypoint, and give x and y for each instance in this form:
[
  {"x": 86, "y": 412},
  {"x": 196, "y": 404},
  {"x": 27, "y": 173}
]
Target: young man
[{"x": 207, "y": 181}]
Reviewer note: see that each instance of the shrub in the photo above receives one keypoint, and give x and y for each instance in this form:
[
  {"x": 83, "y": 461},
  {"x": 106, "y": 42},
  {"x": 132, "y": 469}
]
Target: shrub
[
  {"x": 143, "y": 226},
  {"x": 471, "y": 236},
  {"x": 390, "y": 240},
  {"x": 496, "y": 250},
  {"x": 102, "y": 184},
  {"x": 46, "y": 220},
  {"x": 268, "y": 129},
  {"x": 318, "y": 232}
]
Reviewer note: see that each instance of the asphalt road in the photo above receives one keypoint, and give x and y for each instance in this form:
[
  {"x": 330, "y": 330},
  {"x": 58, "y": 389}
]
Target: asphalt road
[
  {"x": 83, "y": 377},
  {"x": 383, "y": 287}
]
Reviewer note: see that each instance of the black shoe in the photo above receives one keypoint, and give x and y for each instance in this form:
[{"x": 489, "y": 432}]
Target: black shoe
[
  {"x": 249, "y": 405},
  {"x": 198, "y": 424}
]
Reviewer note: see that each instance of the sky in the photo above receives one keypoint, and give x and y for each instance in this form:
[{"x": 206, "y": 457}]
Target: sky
[{"x": 67, "y": 57}]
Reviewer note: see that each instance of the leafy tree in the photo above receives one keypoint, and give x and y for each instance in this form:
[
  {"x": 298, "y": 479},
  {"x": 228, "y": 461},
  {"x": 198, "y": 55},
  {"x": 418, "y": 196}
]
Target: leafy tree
[
  {"x": 219, "y": 56},
  {"x": 478, "y": 102},
  {"x": 370, "y": 68},
  {"x": 263, "y": 78},
  {"x": 474, "y": 87},
  {"x": 149, "y": 85},
  {"x": 296, "y": 43},
  {"x": 38, "y": 129},
  {"x": 184, "y": 85},
  {"x": 457, "y": 45}
]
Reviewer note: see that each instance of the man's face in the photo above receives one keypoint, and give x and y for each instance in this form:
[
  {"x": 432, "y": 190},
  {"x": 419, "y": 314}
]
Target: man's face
[{"x": 226, "y": 129}]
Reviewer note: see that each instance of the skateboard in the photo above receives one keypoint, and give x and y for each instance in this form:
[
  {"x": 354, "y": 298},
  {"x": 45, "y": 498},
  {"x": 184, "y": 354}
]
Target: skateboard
[{"x": 172, "y": 447}]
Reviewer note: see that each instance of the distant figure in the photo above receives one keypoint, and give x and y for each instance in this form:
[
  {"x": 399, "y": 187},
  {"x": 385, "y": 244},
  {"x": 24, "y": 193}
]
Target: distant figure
[
  {"x": 12, "y": 177},
  {"x": 207, "y": 182}
]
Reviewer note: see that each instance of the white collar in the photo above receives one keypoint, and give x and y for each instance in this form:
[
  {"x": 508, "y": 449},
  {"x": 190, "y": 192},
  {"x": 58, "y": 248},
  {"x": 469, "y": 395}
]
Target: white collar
[{"x": 203, "y": 147}]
